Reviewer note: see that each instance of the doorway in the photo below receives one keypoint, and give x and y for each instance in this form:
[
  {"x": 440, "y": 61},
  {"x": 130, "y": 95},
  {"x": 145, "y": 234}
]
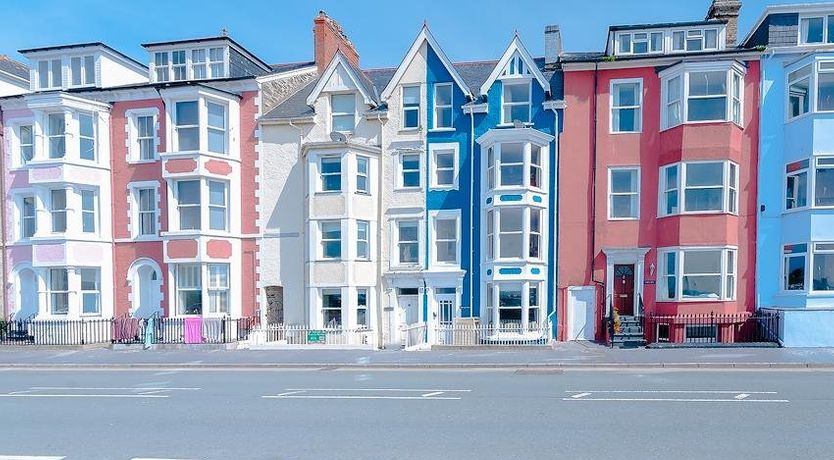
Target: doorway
[
  {"x": 623, "y": 300},
  {"x": 145, "y": 290},
  {"x": 581, "y": 313}
]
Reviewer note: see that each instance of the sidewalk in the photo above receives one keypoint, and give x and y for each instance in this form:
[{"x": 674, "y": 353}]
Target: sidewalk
[{"x": 564, "y": 356}]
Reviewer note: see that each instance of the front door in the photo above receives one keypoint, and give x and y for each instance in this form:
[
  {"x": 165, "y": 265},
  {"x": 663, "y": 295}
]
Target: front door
[{"x": 624, "y": 289}]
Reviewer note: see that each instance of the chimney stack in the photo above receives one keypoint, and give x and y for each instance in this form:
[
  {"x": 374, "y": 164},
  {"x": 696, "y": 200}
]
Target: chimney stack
[
  {"x": 552, "y": 44},
  {"x": 328, "y": 37},
  {"x": 726, "y": 10}
]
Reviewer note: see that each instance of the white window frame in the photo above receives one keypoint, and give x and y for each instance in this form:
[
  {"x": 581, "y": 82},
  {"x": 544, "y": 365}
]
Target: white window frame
[
  {"x": 324, "y": 175},
  {"x": 134, "y": 137},
  {"x": 638, "y": 128},
  {"x": 517, "y": 81},
  {"x": 189, "y": 64},
  {"x": 50, "y": 271},
  {"x": 793, "y": 170},
  {"x": 50, "y": 135},
  {"x": 84, "y": 212},
  {"x": 178, "y": 288},
  {"x": 396, "y": 242},
  {"x": 490, "y": 219},
  {"x": 535, "y": 235},
  {"x": 334, "y": 114},
  {"x": 323, "y": 241},
  {"x": 401, "y": 171},
  {"x": 224, "y": 206},
  {"x": 411, "y": 108},
  {"x": 492, "y": 169},
  {"x": 50, "y": 74},
  {"x": 365, "y": 176},
  {"x": 18, "y": 159},
  {"x": 439, "y": 108},
  {"x": 180, "y": 206},
  {"x": 94, "y": 138},
  {"x": 96, "y": 292},
  {"x": 83, "y": 71},
  {"x": 734, "y": 94},
  {"x": 612, "y": 194},
  {"x": 522, "y": 231},
  {"x": 137, "y": 213},
  {"x": 21, "y": 205},
  {"x": 445, "y": 215},
  {"x": 730, "y": 199},
  {"x": 177, "y": 126},
  {"x": 795, "y": 76},
  {"x": 826, "y": 18},
  {"x": 818, "y": 163},
  {"x": 434, "y": 151},
  {"x": 632, "y": 39},
  {"x": 360, "y": 307},
  {"x": 57, "y": 211},
  {"x": 363, "y": 241},
  {"x": 217, "y": 290},
  {"x": 332, "y": 292},
  {"x": 816, "y": 248},
  {"x": 728, "y": 271},
  {"x": 223, "y": 130}
]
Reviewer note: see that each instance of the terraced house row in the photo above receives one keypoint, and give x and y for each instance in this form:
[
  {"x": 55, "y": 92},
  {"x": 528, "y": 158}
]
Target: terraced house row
[{"x": 683, "y": 173}]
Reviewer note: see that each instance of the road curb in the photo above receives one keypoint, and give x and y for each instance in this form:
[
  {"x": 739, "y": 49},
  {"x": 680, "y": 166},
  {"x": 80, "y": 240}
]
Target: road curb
[{"x": 414, "y": 366}]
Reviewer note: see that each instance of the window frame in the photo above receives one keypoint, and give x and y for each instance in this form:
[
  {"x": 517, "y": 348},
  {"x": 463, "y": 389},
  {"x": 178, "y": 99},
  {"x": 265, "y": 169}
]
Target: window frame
[
  {"x": 728, "y": 271},
  {"x": 825, "y": 39},
  {"x": 217, "y": 291},
  {"x": 50, "y": 74},
  {"x": 136, "y": 137},
  {"x": 51, "y": 291},
  {"x": 803, "y": 251},
  {"x": 798, "y": 76},
  {"x": 814, "y": 180},
  {"x": 434, "y": 168},
  {"x": 411, "y": 107},
  {"x": 94, "y": 137},
  {"x": 325, "y": 307},
  {"x": 434, "y": 218},
  {"x": 360, "y": 306},
  {"x": 439, "y": 108},
  {"x": 53, "y": 211},
  {"x": 22, "y": 224},
  {"x": 224, "y": 207},
  {"x": 136, "y": 192},
  {"x": 636, "y": 194},
  {"x": 334, "y": 114},
  {"x": 180, "y": 205},
  {"x": 62, "y": 135},
  {"x": 733, "y": 94},
  {"x": 816, "y": 250},
  {"x": 793, "y": 170},
  {"x": 638, "y": 108},
  {"x": 189, "y": 64},
  {"x": 83, "y": 71},
  {"x": 86, "y": 212},
  {"x": 730, "y": 195},
  {"x": 361, "y": 159},
  {"x": 401, "y": 171},
  {"x": 494, "y": 164},
  {"x": 95, "y": 292},
  {"x": 19, "y": 159},
  {"x": 334, "y": 159},
  {"x": 179, "y": 289},
  {"x": 360, "y": 240},
  {"x": 517, "y": 81},
  {"x": 398, "y": 242},
  {"x": 326, "y": 241}
]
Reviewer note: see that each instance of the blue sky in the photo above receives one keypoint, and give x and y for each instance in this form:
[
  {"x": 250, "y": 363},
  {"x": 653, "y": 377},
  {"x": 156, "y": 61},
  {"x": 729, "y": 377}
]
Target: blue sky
[{"x": 280, "y": 30}]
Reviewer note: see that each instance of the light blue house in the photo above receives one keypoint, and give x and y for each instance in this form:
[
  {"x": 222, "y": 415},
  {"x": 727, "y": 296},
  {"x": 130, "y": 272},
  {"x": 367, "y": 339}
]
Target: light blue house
[{"x": 795, "y": 250}]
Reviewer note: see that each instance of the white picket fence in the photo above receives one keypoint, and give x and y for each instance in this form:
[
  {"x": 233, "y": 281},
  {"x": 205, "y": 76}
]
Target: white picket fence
[
  {"x": 507, "y": 334},
  {"x": 299, "y": 335},
  {"x": 414, "y": 336}
]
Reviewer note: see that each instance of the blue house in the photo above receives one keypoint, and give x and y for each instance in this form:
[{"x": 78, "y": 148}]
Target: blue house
[{"x": 795, "y": 247}]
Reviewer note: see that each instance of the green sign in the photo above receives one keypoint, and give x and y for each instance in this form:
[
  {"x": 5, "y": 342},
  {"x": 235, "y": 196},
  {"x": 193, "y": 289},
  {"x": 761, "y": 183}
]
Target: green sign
[{"x": 316, "y": 337}]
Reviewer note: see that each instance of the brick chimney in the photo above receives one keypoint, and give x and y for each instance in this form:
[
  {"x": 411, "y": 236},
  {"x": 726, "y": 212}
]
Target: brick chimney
[
  {"x": 726, "y": 10},
  {"x": 328, "y": 37}
]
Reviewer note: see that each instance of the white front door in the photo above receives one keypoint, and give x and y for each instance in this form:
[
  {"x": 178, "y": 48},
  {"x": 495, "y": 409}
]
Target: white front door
[
  {"x": 409, "y": 309},
  {"x": 581, "y": 313},
  {"x": 145, "y": 290}
]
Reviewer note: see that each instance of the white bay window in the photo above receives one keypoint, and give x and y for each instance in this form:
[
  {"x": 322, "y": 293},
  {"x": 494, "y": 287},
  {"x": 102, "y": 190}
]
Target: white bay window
[
  {"x": 697, "y": 274},
  {"x": 696, "y": 93},
  {"x": 515, "y": 233},
  {"x": 515, "y": 165},
  {"x": 200, "y": 125},
  {"x": 699, "y": 187},
  {"x": 196, "y": 285}
]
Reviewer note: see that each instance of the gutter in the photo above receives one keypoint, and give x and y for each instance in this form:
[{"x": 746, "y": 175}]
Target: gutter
[
  {"x": 379, "y": 231},
  {"x": 472, "y": 215},
  {"x": 3, "y": 264}
]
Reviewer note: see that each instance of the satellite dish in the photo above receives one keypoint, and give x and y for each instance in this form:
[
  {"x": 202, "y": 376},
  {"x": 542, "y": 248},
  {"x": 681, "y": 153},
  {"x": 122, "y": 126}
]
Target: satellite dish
[
  {"x": 336, "y": 136},
  {"x": 518, "y": 124}
]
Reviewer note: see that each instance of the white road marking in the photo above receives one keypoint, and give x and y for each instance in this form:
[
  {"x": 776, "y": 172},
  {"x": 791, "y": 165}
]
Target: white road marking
[
  {"x": 118, "y": 388},
  {"x": 433, "y": 393},
  {"x": 675, "y": 391},
  {"x": 357, "y": 397},
  {"x": 679, "y": 400},
  {"x": 153, "y": 458},
  {"x": 28, "y": 457},
  {"x": 290, "y": 393},
  {"x": 415, "y": 390},
  {"x": 10, "y": 395},
  {"x": 742, "y": 396},
  {"x": 580, "y": 395}
]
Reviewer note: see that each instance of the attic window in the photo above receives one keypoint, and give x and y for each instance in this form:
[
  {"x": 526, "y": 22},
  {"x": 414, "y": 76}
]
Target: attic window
[
  {"x": 516, "y": 67},
  {"x": 817, "y": 29},
  {"x": 640, "y": 43},
  {"x": 695, "y": 40},
  {"x": 83, "y": 71}
]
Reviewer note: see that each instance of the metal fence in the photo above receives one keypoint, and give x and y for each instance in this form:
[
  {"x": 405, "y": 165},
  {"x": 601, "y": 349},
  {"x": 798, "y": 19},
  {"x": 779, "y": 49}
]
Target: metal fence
[
  {"x": 288, "y": 334},
  {"x": 713, "y": 328},
  {"x": 506, "y": 334},
  {"x": 126, "y": 330}
]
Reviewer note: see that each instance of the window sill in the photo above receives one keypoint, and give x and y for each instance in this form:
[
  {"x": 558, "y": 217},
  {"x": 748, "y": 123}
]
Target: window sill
[
  {"x": 527, "y": 124},
  {"x": 695, "y": 300},
  {"x": 408, "y": 189},
  {"x": 328, "y": 193},
  {"x": 362, "y": 193},
  {"x": 142, "y": 162},
  {"x": 443, "y": 188},
  {"x": 616, "y": 133},
  {"x": 194, "y": 153},
  {"x": 704, "y": 122},
  {"x": 624, "y": 219},
  {"x": 442, "y": 130},
  {"x": 699, "y": 214},
  {"x": 414, "y": 130}
]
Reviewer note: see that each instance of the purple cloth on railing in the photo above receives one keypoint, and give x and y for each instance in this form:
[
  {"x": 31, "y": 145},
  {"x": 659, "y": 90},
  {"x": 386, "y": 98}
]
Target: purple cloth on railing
[
  {"x": 193, "y": 330},
  {"x": 125, "y": 329}
]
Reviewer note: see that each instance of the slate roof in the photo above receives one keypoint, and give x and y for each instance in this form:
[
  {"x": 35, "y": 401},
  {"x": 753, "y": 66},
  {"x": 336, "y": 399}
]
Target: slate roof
[
  {"x": 663, "y": 25},
  {"x": 83, "y": 45},
  {"x": 474, "y": 74},
  {"x": 10, "y": 66},
  {"x": 278, "y": 68}
]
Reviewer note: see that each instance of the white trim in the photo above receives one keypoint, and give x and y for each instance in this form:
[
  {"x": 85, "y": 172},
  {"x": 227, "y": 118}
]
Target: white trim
[
  {"x": 638, "y": 107},
  {"x": 625, "y": 256},
  {"x": 731, "y": 68},
  {"x": 425, "y": 35},
  {"x": 728, "y": 206},
  {"x": 434, "y": 149},
  {"x": 515, "y": 46},
  {"x": 636, "y": 193},
  {"x": 339, "y": 59},
  {"x": 131, "y": 131},
  {"x": 446, "y": 214},
  {"x": 679, "y": 251}
]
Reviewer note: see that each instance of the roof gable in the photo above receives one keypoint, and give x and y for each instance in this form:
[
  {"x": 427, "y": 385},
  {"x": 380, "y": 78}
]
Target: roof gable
[
  {"x": 347, "y": 74},
  {"x": 426, "y": 36},
  {"x": 507, "y": 63}
]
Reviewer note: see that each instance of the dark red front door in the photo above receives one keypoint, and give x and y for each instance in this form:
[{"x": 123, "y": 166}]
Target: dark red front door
[{"x": 624, "y": 289}]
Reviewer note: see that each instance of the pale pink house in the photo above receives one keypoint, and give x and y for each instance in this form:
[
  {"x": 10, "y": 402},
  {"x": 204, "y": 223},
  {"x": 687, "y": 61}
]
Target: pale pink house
[{"x": 132, "y": 188}]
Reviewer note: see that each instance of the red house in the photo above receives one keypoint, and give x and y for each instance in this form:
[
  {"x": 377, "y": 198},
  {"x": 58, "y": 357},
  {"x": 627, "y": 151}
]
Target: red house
[{"x": 658, "y": 167}]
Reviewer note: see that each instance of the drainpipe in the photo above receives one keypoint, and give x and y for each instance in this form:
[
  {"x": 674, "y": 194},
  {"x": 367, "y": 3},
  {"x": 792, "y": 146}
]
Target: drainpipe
[
  {"x": 473, "y": 203},
  {"x": 594, "y": 128},
  {"x": 3, "y": 296},
  {"x": 555, "y": 240},
  {"x": 306, "y": 277},
  {"x": 379, "y": 232}
]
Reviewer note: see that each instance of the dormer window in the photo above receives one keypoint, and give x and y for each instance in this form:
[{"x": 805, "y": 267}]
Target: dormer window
[
  {"x": 178, "y": 65},
  {"x": 342, "y": 112},
  {"x": 816, "y": 29},
  {"x": 640, "y": 43},
  {"x": 515, "y": 104},
  {"x": 193, "y": 64},
  {"x": 160, "y": 64},
  {"x": 695, "y": 40},
  {"x": 83, "y": 71},
  {"x": 49, "y": 74}
]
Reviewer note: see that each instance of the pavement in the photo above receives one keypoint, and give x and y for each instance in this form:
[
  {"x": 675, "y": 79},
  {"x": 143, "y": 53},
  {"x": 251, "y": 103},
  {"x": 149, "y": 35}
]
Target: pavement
[
  {"x": 565, "y": 355},
  {"x": 268, "y": 414}
]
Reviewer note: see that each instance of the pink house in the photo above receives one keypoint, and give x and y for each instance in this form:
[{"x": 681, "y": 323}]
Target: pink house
[{"x": 658, "y": 182}]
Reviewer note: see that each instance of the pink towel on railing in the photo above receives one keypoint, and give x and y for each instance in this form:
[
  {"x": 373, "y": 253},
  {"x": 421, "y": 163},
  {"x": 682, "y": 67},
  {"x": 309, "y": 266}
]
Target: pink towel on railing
[{"x": 193, "y": 330}]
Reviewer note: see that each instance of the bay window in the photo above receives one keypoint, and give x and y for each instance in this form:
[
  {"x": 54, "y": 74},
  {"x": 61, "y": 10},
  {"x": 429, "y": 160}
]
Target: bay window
[
  {"x": 87, "y": 136},
  {"x": 188, "y": 204},
  {"x": 809, "y": 186},
  {"x": 443, "y": 106},
  {"x": 217, "y": 128},
  {"x": 187, "y": 125},
  {"x": 90, "y": 291},
  {"x": 794, "y": 258},
  {"x": 706, "y": 187},
  {"x": 796, "y": 185},
  {"x": 810, "y": 87},
  {"x": 28, "y": 217},
  {"x": 218, "y": 288},
  {"x": 515, "y": 164},
  {"x": 624, "y": 193},
  {"x": 515, "y": 103},
  {"x": 218, "y": 206},
  {"x": 331, "y": 308},
  {"x": 189, "y": 289},
  {"x": 89, "y": 210},
  {"x": 511, "y": 233},
  {"x": 342, "y": 112},
  {"x": 710, "y": 93},
  {"x": 823, "y": 263},
  {"x": 408, "y": 242},
  {"x": 331, "y": 239},
  {"x": 824, "y": 182},
  {"x": 57, "y": 291},
  {"x": 514, "y": 232},
  {"x": 58, "y": 210},
  {"x": 799, "y": 97},
  {"x": 25, "y": 144},
  {"x": 692, "y": 274},
  {"x": 199, "y": 125},
  {"x": 411, "y": 107},
  {"x": 825, "y": 86},
  {"x": 626, "y": 103}
]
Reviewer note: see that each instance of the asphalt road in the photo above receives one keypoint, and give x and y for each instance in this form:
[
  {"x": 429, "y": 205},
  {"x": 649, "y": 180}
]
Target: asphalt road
[{"x": 281, "y": 414}]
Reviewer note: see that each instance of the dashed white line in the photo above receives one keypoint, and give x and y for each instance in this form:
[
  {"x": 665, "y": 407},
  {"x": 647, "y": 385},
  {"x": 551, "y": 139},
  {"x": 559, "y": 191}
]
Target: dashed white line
[
  {"x": 433, "y": 393},
  {"x": 742, "y": 396},
  {"x": 118, "y": 388},
  {"x": 29, "y": 457},
  {"x": 678, "y": 400},
  {"x": 420, "y": 398},
  {"x": 10, "y": 395},
  {"x": 580, "y": 395},
  {"x": 675, "y": 391}
]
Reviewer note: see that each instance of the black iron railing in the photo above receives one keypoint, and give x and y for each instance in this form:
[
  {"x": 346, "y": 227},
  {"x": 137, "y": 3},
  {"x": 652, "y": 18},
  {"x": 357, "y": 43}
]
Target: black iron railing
[
  {"x": 126, "y": 330},
  {"x": 712, "y": 328}
]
